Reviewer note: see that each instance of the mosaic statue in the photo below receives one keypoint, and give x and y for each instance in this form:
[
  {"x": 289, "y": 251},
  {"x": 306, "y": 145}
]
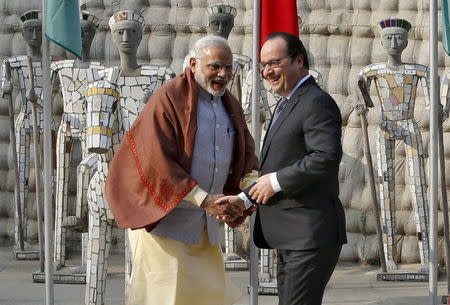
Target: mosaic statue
[
  {"x": 220, "y": 23},
  {"x": 396, "y": 83},
  {"x": 74, "y": 76},
  {"x": 32, "y": 34},
  {"x": 113, "y": 103}
]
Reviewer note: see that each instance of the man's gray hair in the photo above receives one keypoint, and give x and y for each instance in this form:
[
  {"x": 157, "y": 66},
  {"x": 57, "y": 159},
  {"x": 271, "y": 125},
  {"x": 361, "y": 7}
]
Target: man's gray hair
[{"x": 208, "y": 41}]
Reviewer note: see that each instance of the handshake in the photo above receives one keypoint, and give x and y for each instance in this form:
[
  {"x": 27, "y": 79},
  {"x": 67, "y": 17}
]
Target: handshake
[{"x": 230, "y": 209}]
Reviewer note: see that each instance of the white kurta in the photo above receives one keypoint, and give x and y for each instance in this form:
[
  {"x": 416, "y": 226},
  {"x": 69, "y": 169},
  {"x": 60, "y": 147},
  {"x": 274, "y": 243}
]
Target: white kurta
[{"x": 169, "y": 272}]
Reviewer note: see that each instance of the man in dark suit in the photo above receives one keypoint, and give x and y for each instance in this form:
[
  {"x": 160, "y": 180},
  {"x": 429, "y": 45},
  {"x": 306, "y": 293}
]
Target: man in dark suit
[{"x": 299, "y": 212}]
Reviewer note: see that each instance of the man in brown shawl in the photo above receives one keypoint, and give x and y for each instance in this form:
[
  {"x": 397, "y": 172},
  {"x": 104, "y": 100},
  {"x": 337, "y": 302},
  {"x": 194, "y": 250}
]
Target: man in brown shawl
[{"x": 188, "y": 146}]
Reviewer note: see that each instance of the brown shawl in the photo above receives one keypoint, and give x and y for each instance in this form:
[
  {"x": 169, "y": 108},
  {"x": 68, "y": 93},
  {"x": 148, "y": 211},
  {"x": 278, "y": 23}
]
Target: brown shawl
[{"x": 149, "y": 174}]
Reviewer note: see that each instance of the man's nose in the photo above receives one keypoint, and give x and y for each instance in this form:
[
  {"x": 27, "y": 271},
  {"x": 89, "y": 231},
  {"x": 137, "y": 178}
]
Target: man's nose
[
  {"x": 266, "y": 71},
  {"x": 221, "y": 26},
  {"x": 222, "y": 72},
  {"x": 35, "y": 34}
]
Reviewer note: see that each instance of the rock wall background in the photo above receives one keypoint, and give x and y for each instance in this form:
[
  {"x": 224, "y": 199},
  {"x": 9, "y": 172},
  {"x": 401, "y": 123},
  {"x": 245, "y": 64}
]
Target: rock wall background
[{"x": 341, "y": 38}]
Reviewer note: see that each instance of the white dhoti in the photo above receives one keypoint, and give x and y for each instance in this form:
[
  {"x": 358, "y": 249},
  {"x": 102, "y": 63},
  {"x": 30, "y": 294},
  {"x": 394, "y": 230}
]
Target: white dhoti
[{"x": 169, "y": 272}]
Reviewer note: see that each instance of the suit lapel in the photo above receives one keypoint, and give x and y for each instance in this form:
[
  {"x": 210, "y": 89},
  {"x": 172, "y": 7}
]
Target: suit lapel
[{"x": 290, "y": 105}]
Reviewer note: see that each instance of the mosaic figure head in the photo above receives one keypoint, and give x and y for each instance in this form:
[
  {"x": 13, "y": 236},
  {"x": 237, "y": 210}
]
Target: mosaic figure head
[
  {"x": 126, "y": 28},
  {"x": 89, "y": 24},
  {"x": 32, "y": 28},
  {"x": 394, "y": 35},
  {"x": 220, "y": 19}
]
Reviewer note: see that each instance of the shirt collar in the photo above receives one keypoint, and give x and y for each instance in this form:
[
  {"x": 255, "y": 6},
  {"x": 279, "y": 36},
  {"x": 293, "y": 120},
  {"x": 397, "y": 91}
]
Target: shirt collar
[
  {"x": 205, "y": 95},
  {"x": 202, "y": 93},
  {"x": 299, "y": 83}
]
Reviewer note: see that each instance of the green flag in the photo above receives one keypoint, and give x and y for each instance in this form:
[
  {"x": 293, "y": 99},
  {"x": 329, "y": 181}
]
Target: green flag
[
  {"x": 446, "y": 26},
  {"x": 62, "y": 24}
]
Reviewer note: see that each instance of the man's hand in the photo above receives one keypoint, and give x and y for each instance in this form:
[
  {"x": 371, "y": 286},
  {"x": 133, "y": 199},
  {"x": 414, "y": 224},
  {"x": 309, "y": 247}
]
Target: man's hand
[
  {"x": 237, "y": 201},
  {"x": 233, "y": 200},
  {"x": 222, "y": 209},
  {"x": 262, "y": 190}
]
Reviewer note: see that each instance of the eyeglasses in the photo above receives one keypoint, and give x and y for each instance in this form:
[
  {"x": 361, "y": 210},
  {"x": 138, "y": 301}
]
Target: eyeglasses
[
  {"x": 217, "y": 66},
  {"x": 272, "y": 64}
]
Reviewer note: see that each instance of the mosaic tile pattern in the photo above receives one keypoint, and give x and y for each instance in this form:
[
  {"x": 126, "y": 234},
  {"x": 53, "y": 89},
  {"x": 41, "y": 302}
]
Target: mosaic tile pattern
[
  {"x": 73, "y": 81},
  {"x": 247, "y": 91},
  {"x": 220, "y": 8},
  {"x": 113, "y": 103},
  {"x": 445, "y": 94},
  {"x": 24, "y": 129},
  {"x": 397, "y": 93},
  {"x": 126, "y": 15}
]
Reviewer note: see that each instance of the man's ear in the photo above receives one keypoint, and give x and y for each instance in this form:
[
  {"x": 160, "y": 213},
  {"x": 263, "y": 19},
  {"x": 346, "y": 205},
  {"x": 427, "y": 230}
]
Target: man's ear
[
  {"x": 300, "y": 60},
  {"x": 193, "y": 64}
]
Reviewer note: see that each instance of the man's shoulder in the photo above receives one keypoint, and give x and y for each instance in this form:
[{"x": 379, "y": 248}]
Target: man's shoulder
[
  {"x": 317, "y": 97},
  {"x": 174, "y": 91}
]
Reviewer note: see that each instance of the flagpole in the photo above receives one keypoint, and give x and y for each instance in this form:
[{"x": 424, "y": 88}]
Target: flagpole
[
  {"x": 254, "y": 259},
  {"x": 46, "y": 91},
  {"x": 434, "y": 136}
]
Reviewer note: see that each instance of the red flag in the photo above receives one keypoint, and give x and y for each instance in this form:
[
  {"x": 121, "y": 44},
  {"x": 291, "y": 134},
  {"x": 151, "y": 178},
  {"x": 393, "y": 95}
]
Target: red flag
[{"x": 278, "y": 16}]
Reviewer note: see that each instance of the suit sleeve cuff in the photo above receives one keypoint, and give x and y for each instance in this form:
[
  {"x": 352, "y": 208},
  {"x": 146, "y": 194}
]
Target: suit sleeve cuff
[
  {"x": 196, "y": 196},
  {"x": 274, "y": 182},
  {"x": 247, "y": 202}
]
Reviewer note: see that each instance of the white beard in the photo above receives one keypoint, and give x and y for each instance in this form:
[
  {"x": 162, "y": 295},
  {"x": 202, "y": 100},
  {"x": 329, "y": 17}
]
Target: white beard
[{"x": 201, "y": 80}]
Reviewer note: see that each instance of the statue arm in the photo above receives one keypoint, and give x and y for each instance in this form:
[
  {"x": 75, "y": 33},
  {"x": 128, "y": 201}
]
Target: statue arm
[
  {"x": 364, "y": 94},
  {"x": 247, "y": 67},
  {"x": 6, "y": 84},
  {"x": 54, "y": 68},
  {"x": 445, "y": 96},
  {"x": 247, "y": 94},
  {"x": 425, "y": 81}
]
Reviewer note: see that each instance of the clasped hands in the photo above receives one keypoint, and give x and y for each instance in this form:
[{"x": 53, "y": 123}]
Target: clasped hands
[{"x": 228, "y": 208}]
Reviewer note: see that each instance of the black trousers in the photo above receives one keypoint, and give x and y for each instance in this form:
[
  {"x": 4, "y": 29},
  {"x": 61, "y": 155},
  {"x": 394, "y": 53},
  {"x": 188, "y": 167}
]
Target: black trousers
[{"x": 303, "y": 274}]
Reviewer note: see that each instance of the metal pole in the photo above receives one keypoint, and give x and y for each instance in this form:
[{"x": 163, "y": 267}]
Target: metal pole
[
  {"x": 31, "y": 96},
  {"x": 434, "y": 136},
  {"x": 46, "y": 92},
  {"x": 257, "y": 136},
  {"x": 373, "y": 191},
  {"x": 7, "y": 92}
]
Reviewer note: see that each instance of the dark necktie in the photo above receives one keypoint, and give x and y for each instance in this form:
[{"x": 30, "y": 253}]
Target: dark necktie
[{"x": 280, "y": 106}]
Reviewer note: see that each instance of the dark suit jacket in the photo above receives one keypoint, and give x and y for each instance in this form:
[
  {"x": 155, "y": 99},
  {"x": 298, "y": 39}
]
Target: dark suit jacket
[{"x": 304, "y": 147}]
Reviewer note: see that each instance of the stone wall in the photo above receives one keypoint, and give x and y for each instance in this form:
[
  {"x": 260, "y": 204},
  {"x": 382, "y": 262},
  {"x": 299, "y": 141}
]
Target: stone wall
[{"x": 341, "y": 38}]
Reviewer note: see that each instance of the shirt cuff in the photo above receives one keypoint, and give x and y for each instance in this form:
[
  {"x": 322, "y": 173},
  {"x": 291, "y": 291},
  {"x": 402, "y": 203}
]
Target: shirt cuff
[
  {"x": 247, "y": 202},
  {"x": 196, "y": 196},
  {"x": 274, "y": 182}
]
